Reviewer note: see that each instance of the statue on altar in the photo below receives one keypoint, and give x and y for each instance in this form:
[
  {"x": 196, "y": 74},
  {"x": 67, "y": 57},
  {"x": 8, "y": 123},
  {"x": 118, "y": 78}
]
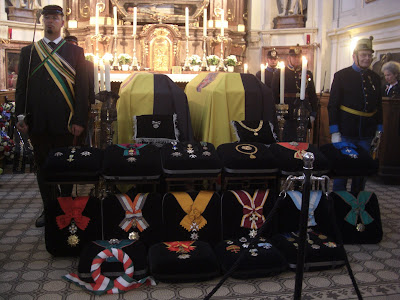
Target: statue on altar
[
  {"x": 291, "y": 7},
  {"x": 28, "y": 4}
]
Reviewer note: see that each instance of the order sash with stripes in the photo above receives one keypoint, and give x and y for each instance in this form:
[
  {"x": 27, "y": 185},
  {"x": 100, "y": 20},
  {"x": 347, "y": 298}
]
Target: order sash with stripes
[{"x": 60, "y": 71}]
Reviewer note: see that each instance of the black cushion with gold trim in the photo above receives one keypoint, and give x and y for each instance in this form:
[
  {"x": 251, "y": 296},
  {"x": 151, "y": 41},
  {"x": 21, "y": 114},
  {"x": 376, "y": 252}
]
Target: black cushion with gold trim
[
  {"x": 194, "y": 158},
  {"x": 358, "y": 217},
  {"x": 71, "y": 223},
  {"x": 349, "y": 160},
  {"x": 247, "y": 158},
  {"x": 254, "y": 131},
  {"x": 321, "y": 251},
  {"x": 133, "y": 215},
  {"x": 80, "y": 163},
  {"x": 289, "y": 157},
  {"x": 132, "y": 161},
  {"x": 112, "y": 268},
  {"x": 183, "y": 261},
  {"x": 261, "y": 260}
]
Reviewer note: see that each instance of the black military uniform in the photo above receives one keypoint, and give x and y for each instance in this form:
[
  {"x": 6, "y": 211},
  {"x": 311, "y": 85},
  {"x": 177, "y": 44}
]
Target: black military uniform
[
  {"x": 269, "y": 72},
  {"x": 392, "y": 91},
  {"x": 44, "y": 102},
  {"x": 292, "y": 94}
]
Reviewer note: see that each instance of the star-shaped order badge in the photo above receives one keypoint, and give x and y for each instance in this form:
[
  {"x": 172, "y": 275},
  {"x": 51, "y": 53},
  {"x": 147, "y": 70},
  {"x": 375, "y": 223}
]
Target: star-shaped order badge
[
  {"x": 131, "y": 159},
  {"x": 86, "y": 153}
]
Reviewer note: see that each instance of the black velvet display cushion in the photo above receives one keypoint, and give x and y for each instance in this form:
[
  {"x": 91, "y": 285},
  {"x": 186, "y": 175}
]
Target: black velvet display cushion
[
  {"x": 264, "y": 135},
  {"x": 56, "y": 238},
  {"x": 111, "y": 267},
  {"x": 288, "y": 214},
  {"x": 195, "y": 261},
  {"x": 155, "y": 129},
  {"x": 252, "y": 158},
  {"x": 360, "y": 223},
  {"x": 73, "y": 164},
  {"x": 289, "y": 157},
  {"x": 173, "y": 216},
  {"x": 233, "y": 213},
  {"x": 321, "y": 251},
  {"x": 355, "y": 161},
  {"x": 146, "y": 222},
  {"x": 260, "y": 260},
  {"x": 144, "y": 163},
  {"x": 190, "y": 158}
]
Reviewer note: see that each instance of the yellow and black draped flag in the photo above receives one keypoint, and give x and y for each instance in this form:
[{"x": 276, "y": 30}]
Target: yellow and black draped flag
[{"x": 60, "y": 71}]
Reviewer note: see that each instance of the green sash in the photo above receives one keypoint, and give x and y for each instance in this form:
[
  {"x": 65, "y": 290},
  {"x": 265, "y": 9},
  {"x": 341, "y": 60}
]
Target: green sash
[{"x": 357, "y": 207}]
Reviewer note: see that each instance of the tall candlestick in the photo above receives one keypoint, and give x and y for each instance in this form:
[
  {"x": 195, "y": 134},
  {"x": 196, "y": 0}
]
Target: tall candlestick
[
  {"x": 205, "y": 22},
  {"x": 101, "y": 75},
  {"x": 115, "y": 20},
  {"x": 282, "y": 83},
  {"x": 246, "y": 68},
  {"x": 187, "y": 21},
  {"x": 262, "y": 73},
  {"x": 107, "y": 75},
  {"x": 303, "y": 79},
  {"x": 96, "y": 74},
  {"x": 222, "y": 22},
  {"x": 134, "y": 20},
  {"x": 97, "y": 20}
]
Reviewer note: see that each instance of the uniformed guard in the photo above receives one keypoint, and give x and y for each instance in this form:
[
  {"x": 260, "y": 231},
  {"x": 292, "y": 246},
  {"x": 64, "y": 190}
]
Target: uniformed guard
[
  {"x": 292, "y": 91},
  {"x": 355, "y": 106},
  {"x": 272, "y": 60}
]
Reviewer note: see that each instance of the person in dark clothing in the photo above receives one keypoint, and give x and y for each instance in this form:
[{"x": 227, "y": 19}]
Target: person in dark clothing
[
  {"x": 355, "y": 106},
  {"x": 52, "y": 100},
  {"x": 272, "y": 60},
  {"x": 391, "y": 71},
  {"x": 292, "y": 91}
]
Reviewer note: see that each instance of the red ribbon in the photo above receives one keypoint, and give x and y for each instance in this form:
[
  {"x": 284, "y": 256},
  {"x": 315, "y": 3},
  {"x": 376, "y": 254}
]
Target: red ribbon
[{"x": 73, "y": 209}]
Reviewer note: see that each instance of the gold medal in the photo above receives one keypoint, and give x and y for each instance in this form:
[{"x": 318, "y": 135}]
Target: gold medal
[
  {"x": 133, "y": 235},
  {"x": 360, "y": 227},
  {"x": 322, "y": 237},
  {"x": 73, "y": 240},
  {"x": 291, "y": 239}
]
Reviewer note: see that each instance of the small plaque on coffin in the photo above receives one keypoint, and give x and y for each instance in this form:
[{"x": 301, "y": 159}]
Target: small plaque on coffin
[
  {"x": 131, "y": 162},
  {"x": 190, "y": 158},
  {"x": 183, "y": 261},
  {"x": 247, "y": 158},
  {"x": 73, "y": 164}
]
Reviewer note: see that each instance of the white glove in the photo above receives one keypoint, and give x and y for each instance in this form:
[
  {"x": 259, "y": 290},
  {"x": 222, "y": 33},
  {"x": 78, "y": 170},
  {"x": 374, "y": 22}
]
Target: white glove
[
  {"x": 312, "y": 119},
  {"x": 336, "y": 137}
]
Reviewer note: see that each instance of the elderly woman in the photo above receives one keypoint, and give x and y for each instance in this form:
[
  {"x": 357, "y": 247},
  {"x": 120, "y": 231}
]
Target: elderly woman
[{"x": 391, "y": 71}]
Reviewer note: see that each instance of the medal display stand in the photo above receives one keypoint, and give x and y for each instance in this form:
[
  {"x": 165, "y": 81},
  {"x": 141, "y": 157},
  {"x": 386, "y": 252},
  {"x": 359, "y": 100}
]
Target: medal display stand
[{"x": 281, "y": 113}]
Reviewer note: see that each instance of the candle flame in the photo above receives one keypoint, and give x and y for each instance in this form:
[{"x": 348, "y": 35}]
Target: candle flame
[{"x": 281, "y": 65}]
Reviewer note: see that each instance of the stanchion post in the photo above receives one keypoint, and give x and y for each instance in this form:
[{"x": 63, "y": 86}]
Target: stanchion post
[{"x": 308, "y": 160}]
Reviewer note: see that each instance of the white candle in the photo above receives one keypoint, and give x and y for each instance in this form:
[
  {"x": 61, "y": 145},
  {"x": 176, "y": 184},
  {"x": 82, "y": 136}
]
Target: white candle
[
  {"x": 107, "y": 75},
  {"x": 97, "y": 20},
  {"x": 96, "y": 74},
  {"x": 303, "y": 79},
  {"x": 187, "y": 21},
  {"x": 282, "y": 83},
  {"x": 205, "y": 22},
  {"x": 115, "y": 20},
  {"x": 246, "y": 68},
  {"x": 101, "y": 75},
  {"x": 262, "y": 73},
  {"x": 222, "y": 22},
  {"x": 134, "y": 20}
]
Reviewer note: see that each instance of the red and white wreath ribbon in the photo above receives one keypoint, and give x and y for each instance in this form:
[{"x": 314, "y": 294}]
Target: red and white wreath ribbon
[{"x": 104, "y": 285}]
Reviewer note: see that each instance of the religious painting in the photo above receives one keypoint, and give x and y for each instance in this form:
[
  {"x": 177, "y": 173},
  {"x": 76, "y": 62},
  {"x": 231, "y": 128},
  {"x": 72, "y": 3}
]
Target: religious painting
[
  {"x": 11, "y": 62},
  {"x": 164, "y": 11}
]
